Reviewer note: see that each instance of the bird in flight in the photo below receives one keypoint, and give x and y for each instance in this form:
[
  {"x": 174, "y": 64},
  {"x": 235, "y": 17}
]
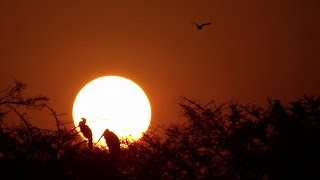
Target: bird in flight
[{"x": 201, "y": 25}]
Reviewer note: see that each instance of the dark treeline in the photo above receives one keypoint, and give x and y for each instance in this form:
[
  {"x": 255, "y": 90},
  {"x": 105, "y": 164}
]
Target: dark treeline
[{"x": 212, "y": 141}]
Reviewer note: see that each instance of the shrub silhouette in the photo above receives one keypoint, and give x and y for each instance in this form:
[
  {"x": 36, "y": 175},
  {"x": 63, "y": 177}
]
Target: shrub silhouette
[
  {"x": 211, "y": 141},
  {"x": 43, "y": 154},
  {"x": 232, "y": 141}
]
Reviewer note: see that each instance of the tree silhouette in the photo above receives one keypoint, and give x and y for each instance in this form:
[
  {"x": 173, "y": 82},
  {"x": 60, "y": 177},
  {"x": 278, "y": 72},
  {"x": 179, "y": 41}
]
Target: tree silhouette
[
  {"x": 232, "y": 141},
  {"x": 40, "y": 153},
  {"x": 210, "y": 141}
]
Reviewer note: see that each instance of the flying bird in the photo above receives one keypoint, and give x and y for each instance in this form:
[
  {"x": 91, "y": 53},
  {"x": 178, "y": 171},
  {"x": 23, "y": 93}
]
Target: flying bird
[{"x": 201, "y": 25}]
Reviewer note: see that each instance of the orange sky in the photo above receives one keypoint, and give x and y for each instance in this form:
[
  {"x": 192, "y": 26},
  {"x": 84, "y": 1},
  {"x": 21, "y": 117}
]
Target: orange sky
[{"x": 254, "y": 50}]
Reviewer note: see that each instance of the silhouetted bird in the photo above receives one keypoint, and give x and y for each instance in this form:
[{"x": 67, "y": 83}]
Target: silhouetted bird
[
  {"x": 86, "y": 131},
  {"x": 201, "y": 25},
  {"x": 113, "y": 143}
]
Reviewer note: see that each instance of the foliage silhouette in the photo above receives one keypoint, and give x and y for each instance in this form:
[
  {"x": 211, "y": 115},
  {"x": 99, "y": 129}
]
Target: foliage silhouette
[
  {"x": 232, "y": 141},
  {"x": 211, "y": 141}
]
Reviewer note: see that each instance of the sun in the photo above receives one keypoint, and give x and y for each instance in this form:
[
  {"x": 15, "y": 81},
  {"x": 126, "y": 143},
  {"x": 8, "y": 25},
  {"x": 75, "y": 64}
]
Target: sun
[{"x": 114, "y": 103}]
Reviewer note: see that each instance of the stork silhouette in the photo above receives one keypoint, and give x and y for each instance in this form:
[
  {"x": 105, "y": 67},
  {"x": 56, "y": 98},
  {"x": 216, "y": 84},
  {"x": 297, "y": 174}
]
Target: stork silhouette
[
  {"x": 201, "y": 25},
  {"x": 86, "y": 131},
  {"x": 113, "y": 144}
]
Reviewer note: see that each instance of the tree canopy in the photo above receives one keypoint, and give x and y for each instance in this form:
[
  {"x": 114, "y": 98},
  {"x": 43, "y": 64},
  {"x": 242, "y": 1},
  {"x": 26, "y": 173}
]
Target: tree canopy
[{"x": 212, "y": 141}]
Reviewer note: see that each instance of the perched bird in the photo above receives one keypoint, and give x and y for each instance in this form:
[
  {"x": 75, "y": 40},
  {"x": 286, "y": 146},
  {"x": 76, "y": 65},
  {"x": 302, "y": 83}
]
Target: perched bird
[
  {"x": 113, "y": 144},
  {"x": 86, "y": 131},
  {"x": 201, "y": 25}
]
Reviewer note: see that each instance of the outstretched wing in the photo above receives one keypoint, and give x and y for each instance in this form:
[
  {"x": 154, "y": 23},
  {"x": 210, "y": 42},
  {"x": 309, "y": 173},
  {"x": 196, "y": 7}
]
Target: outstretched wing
[
  {"x": 204, "y": 24},
  {"x": 195, "y": 23}
]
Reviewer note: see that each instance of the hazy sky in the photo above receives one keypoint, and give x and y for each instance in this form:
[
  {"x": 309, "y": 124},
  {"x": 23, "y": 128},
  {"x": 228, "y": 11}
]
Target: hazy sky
[{"x": 255, "y": 49}]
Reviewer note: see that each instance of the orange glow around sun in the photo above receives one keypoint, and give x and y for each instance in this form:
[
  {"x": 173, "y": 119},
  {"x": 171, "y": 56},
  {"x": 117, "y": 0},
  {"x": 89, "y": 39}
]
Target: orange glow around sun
[{"x": 115, "y": 103}]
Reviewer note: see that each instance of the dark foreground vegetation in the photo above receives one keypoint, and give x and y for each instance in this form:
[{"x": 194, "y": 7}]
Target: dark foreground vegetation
[{"x": 212, "y": 141}]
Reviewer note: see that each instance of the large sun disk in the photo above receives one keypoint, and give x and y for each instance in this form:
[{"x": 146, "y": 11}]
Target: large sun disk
[{"x": 114, "y": 103}]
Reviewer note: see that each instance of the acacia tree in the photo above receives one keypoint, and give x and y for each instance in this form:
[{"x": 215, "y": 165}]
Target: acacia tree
[
  {"x": 60, "y": 153},
  {"x": 211, "y": 141},
  {"x": 232, "y": 141},
  {"x": 21, "y": 143},
  {"x": 11, "y": 99}
]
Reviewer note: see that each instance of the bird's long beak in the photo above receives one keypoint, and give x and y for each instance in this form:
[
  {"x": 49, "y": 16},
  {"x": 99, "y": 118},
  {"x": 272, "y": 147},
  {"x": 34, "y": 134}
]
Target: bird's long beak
[{"x": 99, "y": 139}]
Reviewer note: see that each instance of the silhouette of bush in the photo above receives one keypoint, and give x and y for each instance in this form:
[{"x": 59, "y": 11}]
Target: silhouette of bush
[
  {"x": 211, "y": 141},
  {"x": 232, "y": 141}
]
